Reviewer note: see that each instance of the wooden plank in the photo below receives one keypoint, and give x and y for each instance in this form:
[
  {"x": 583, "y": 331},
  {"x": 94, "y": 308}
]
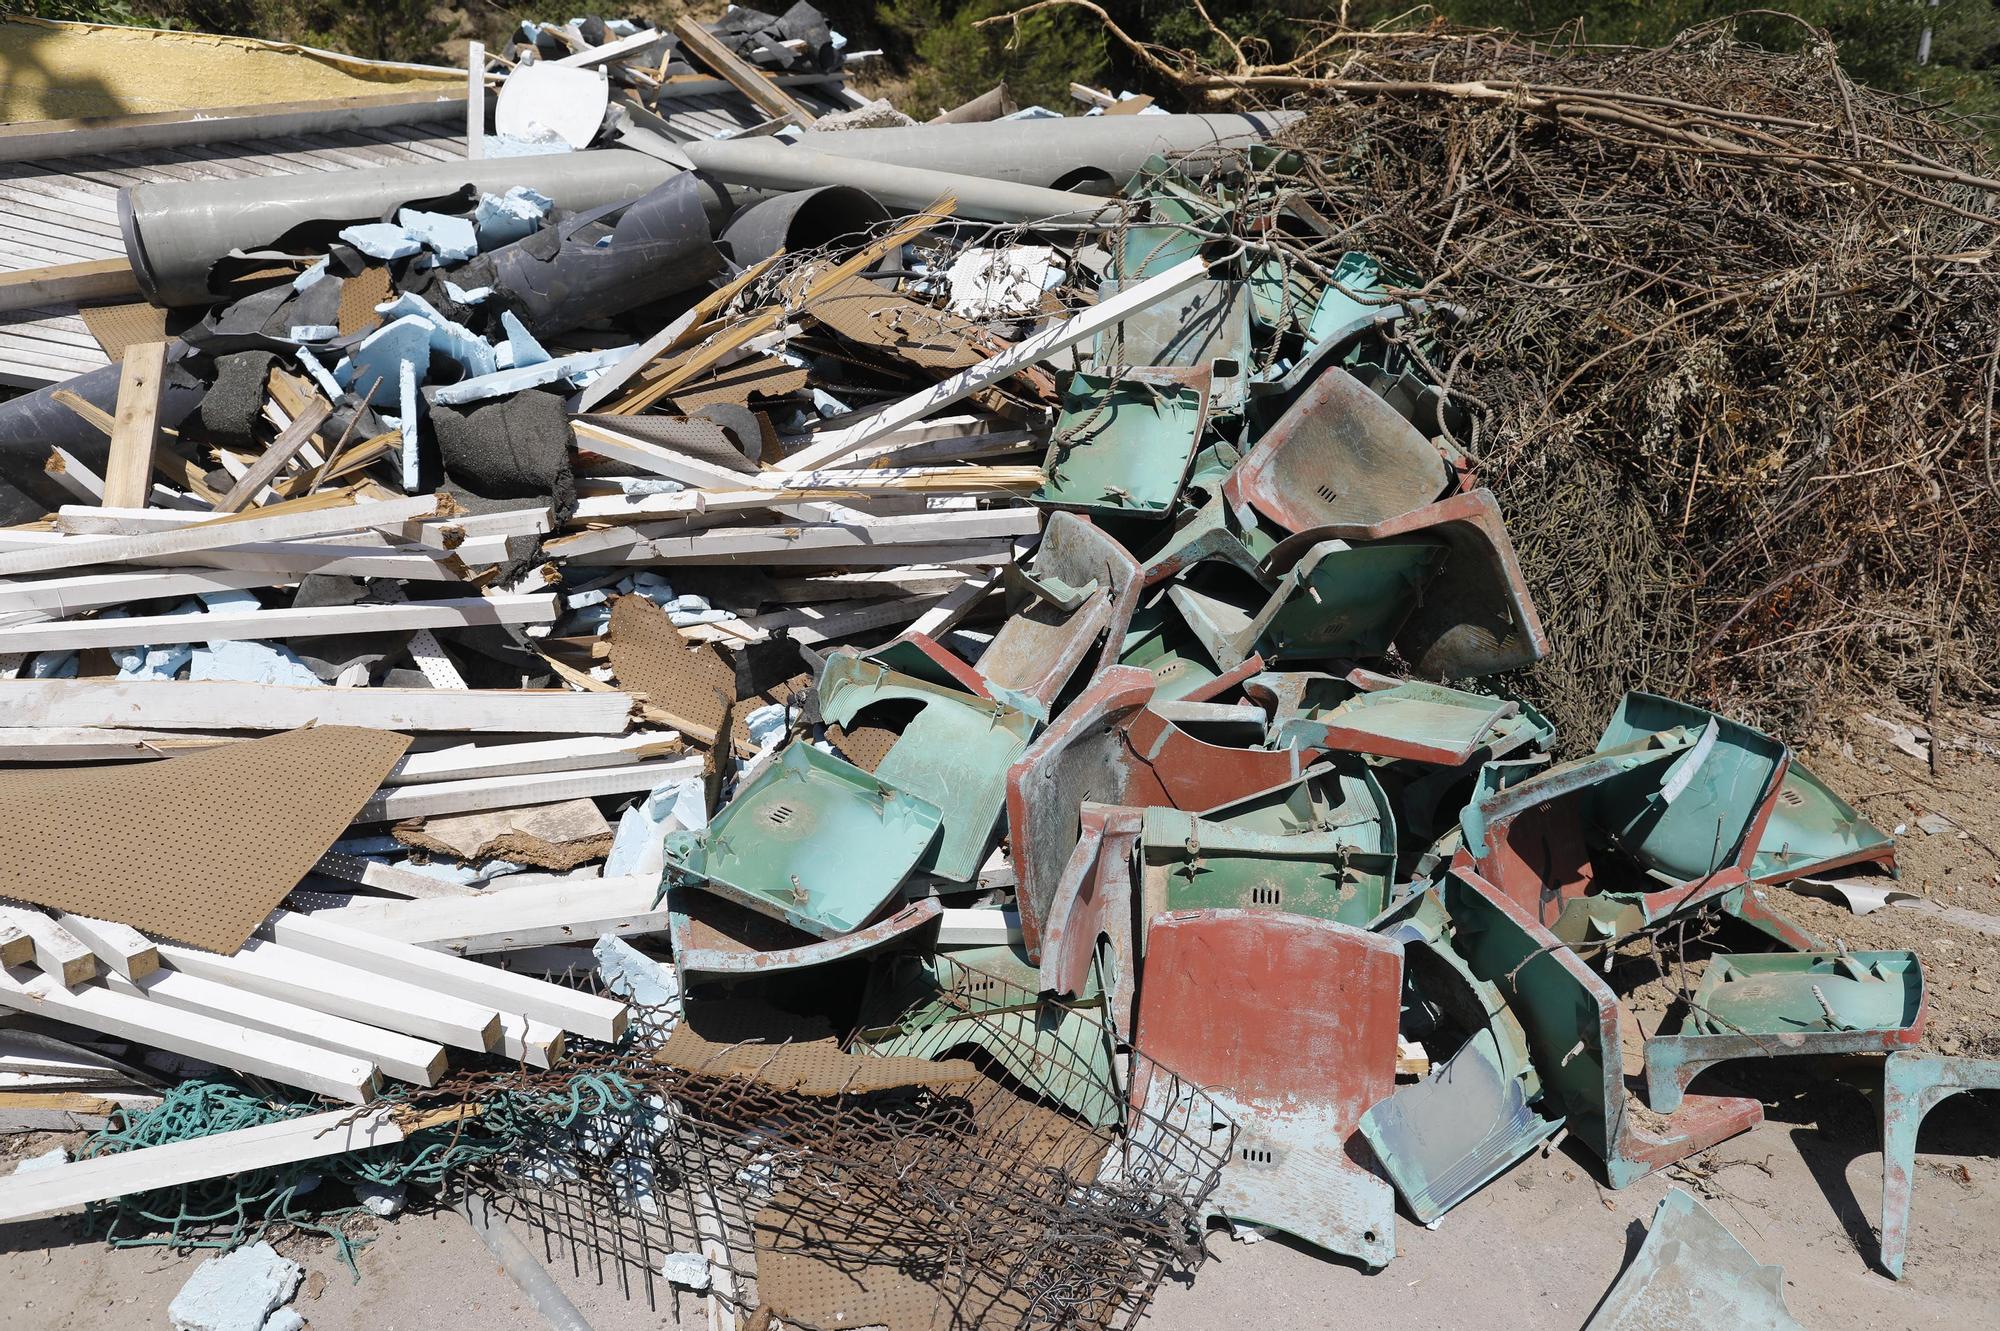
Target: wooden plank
[
  {"x": 314, "y": 1137},
  {"x": 393, "y": 803},
  {"x": 290, "y": 975},
  {"x": 386, "y": 878},
  {"x": 403, "y": 1057},
  {"x": 1078, "y": 327},
  {"x": 120, "y": 947},
  {"x": 75, "y": 552},
  {"x": 94, "y": 591},
  {"x": 73, "y": 474},
  {"x": 829, "y": 543},
  {"x": 279, "y": 452},
  {"x": 309, "y": 622},
  {"x": 465, "y": 762},
  {"x": 96, "y": 1008},
  {"x": 475, "y": 101},
  {"x": 503, "y": 918},
  {"x": 68, "y": 283},
  {"x": 16, "y": 947},
  {"x": 128, "y": 472},
  {"x": 535, "y": 1043},
  {"x": 615, "y": 50},
  {"x": 572, "y": 1010},
  {"x": 59, "y": 953},
  {"x": 743, "y": 76},
  {"x": 37, "y": 140},
  {"x": 228, "y": 705},
  {"x": 978, "y": 926}
]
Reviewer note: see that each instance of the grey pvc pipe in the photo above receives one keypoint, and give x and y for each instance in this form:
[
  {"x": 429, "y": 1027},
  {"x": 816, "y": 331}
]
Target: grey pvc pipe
[
  {"x": 1048, "y": 152},
  {"x": 522, "y": 1267},
  {"x": 175, "y": 231},
  {"x": 802, "y": 221},
  {"x": 770, "y": 164}
]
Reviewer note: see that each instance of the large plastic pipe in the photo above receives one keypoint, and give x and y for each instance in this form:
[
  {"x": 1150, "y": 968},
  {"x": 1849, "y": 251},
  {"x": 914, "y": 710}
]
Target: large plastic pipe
[
  {"x": 1070, "y": 152},
  {"x": 768, "y": 164},
  {"x": 175, "y": 231}
]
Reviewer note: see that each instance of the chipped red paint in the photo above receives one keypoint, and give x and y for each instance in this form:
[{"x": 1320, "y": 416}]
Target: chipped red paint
[{"x": 1095, "y": 902}]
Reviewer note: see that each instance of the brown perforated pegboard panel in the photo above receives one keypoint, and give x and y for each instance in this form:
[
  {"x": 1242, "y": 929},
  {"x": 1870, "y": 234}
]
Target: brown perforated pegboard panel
[
  {"x": 117, "y": 327},
  {"x": 359, "y": 295},
  {"x": 809, "y": 1067},
  {"x": 198, "y": 848},
  {"x": 769, "y": 377},
  {"x": 865, "y": 745},
  {"x": 650, "y": 657}
]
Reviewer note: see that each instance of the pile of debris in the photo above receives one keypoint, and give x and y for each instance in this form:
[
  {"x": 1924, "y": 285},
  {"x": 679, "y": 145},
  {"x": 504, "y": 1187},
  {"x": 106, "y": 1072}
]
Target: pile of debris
[{"x": 988, "y": 588}]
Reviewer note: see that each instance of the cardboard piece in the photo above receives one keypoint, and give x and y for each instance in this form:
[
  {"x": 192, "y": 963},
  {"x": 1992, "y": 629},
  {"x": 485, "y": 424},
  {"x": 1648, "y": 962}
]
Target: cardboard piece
[
  {"x": 557, "y": 836},
  {"x": 117, "y": 327},
  {"x": 198, "y": 848},
  {"x": 692, "y": 688}
]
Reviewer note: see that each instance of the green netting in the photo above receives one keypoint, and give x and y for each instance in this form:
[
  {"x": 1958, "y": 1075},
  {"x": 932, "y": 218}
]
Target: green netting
[{"x": 309, "y": 1195}]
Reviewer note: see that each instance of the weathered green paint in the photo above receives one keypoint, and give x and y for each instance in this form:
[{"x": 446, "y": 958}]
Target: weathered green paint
[
  {"x": 1121, "y": 446},
  {"x": 1692, "y": 1275},
  {"x": 812, "y": 840},
  {"x": 954, "y": 753},
  {"x": 1812, "y": 828},
  {"x": 1347, "y": 601},
  {"x": 1188, "y": 863},
  {"x": 1770, "y": 1005}
]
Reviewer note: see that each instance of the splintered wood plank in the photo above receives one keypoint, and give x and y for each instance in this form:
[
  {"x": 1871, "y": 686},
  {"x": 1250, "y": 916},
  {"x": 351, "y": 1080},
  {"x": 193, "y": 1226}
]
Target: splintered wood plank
[{"x": 128, "y": 472}]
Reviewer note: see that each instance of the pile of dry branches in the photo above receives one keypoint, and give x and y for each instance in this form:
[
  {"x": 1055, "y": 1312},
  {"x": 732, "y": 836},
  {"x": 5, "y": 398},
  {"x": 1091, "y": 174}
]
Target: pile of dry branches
[{"x": 1728, "y": 327}]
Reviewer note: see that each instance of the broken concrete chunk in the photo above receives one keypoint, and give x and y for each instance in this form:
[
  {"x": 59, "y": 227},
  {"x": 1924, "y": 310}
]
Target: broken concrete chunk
[{"x": 236, "y": 1292}]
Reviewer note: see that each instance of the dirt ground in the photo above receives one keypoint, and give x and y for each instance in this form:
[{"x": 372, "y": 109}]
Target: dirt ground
[{"x": 1534, "y": 1251}]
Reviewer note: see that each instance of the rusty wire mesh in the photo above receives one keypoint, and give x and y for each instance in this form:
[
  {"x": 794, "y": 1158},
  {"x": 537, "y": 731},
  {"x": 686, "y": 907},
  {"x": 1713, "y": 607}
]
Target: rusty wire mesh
[{"x": 990, "y": 1202}]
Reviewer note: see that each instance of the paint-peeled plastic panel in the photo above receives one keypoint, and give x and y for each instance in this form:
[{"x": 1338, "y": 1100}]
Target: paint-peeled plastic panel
[
  {"x": 1340, "y": 795},
  {"x": 954, "y": 753},
  {"x": 1188, "y": 863},
  {"x": 1080, "y": 587},
  {"x": 1339, "y": 454},
  {"x": 1205, "y": 326},
  {"x": 1419, "y": 722},
  {"x": 1771, "y": 1005},
  {"x": 1343, "y": 601},
  {"x": 1696, "y": 819},
  {"x": 813, "y": 841},
  {"x": 1692, "y": 1275},
  {"x": 1291, "y": 1024},
  {"x": 1812, "y": 830},
  {"x": 1121, "y": 446}
]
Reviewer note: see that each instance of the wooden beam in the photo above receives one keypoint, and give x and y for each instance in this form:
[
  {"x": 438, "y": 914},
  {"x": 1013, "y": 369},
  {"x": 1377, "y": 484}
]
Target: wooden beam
[
  {"x": 393, "y": 803},
  {"x": 135, "y": 431},
  {"x": 59, "y": 953},
  {"x": 34, "y": 140},
  {"x": 294, "y": 622},
  {"x": 504, "y": 919},
  {"x": 465, "y": 762},
  {"x": 294, "y": 977},
  {"x": 96, "y": 1008},
  {"x": 16, "y": 947},
  {"x": 403, "y": 1057},
  {"x": 74, "y": 552},
  {"x": 475, "y": 101},
  {"x": 314, "y": 1137},
  {"x": 229, "y": 705},
  {"x": 94, "y": 591},
  {"x": 745, "y": 77},
  {"x": 280, "y": 451},
  {"x": 978, "y": 926},
  {"x": 386, "y": 878},
  {"x": 67, "y": 284},
  {"x": 582, "y": 1014},
  {"x": 829, "y": 542},
  {"x": 1084, "y": 324},
  {"x": 120, "y": 947}
]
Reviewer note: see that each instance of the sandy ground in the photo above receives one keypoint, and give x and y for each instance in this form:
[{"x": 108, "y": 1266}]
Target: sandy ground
[{"x": 1535, "y": 1251}]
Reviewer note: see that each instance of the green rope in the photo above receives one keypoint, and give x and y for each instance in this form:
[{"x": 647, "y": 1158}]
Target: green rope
[{"x": 226, "y": 1212}]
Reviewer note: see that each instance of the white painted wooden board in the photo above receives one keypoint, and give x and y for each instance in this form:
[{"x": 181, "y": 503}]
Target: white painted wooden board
[
  {"x": 96, "y": 1008},
  {"x": 295, "y": 622},
  {"x": 288, "y": 974},
  {"x": 393, "y": 803},
  {"x": 226, "y": 705},
  {"x": 558, "y": 1005},
  {"x": 313, "y": 1137},
  {"x": 119, "y": 948},
  {"x": 59, "y": 953},
  {"x": 503, "y": 919},
  {"x": 403, "y": 1057},
  {"x": 75, "y": 552}
]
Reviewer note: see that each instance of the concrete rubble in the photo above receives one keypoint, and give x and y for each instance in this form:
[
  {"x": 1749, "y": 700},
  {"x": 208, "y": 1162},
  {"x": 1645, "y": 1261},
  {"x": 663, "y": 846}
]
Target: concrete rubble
[{"x": 690, "y": 592}]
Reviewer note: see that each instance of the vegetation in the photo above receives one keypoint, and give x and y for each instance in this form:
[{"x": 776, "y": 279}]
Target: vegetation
[{"x": 947, "y": 59}]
